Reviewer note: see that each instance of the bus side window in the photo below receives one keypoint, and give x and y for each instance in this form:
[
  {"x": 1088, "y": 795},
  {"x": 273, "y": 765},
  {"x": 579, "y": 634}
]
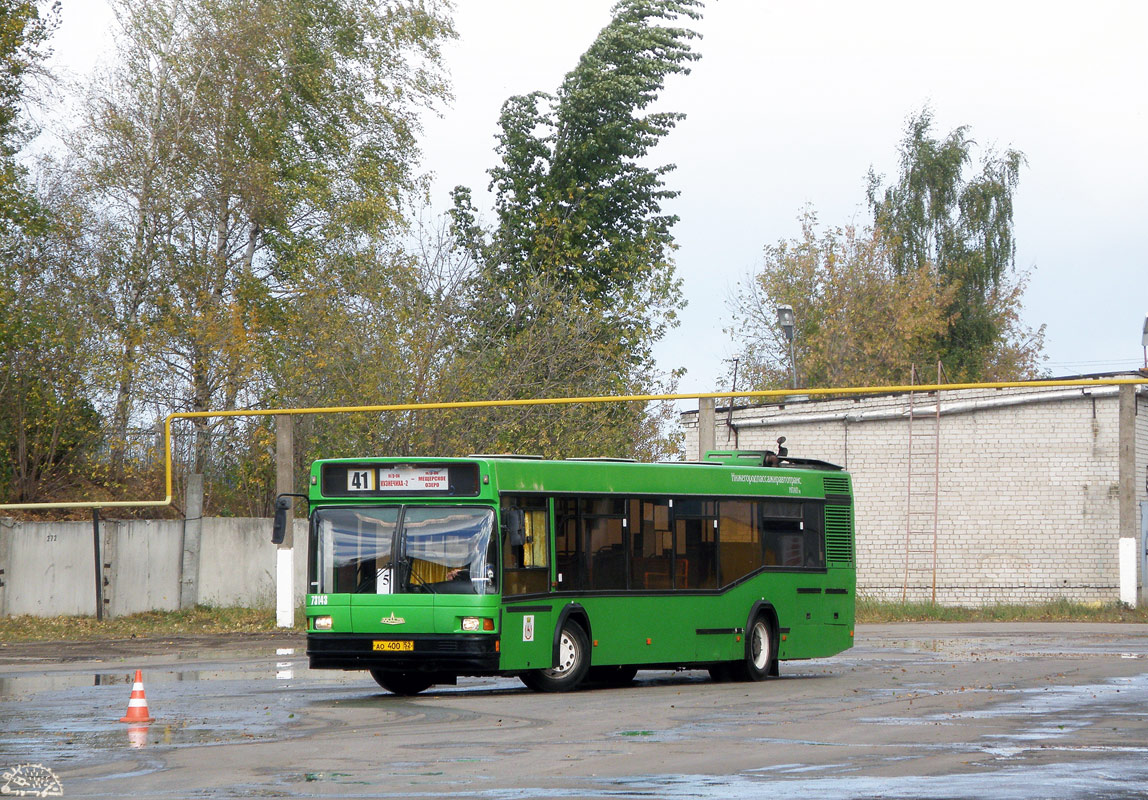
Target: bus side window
[
  {"x": 536, "y": 548},
  {"x": 783, "y": 533},
  {"x": 603, "y": 532},
  {"x": 740, "y": 538},
  {"x": 567, "y": 547},
  {"x": 525, "y": 545},
  {"x": 814, "y": 524},
  {"x": 695, "y": 549},
  {"x": 651, "y": 547}
]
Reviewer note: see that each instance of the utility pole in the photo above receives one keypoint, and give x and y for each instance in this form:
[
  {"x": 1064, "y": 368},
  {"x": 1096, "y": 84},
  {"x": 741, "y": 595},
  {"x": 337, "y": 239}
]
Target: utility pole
[{"x": 285, "y": 553}]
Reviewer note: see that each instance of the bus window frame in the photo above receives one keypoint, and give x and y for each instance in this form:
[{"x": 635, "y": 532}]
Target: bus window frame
[{"x": 520, "y": 502}]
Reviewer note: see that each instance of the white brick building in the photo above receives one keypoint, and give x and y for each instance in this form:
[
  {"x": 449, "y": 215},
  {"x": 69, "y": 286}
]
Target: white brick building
[{"x": 1037, "y": 486}]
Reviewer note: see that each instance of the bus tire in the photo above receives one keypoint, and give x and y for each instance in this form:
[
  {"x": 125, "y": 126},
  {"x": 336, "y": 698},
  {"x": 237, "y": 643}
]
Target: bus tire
[
  {"x": 760, "y": 651},
  {"x": 573, "y": 663},
  {"x": 402, "y": 683}
]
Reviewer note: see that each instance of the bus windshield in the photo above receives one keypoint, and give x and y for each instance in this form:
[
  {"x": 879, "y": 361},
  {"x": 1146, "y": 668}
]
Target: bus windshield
[{"x": 404, "y": 549}]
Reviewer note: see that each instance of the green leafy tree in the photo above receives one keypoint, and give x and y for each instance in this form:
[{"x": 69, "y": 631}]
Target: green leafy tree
[
  {"x": 24, "y": 35},
  {"x": 384, "y": 335},
  {"x": 409, "y": 335},
  {"x": 931, "y": 280},
  {"x": 859, "y": 322},
  {"x": 937, "y": 216},
  {"x": 581, "y": 245},
  {"x": 48, "y": 424},
  {"x": 243, "y": 154}
]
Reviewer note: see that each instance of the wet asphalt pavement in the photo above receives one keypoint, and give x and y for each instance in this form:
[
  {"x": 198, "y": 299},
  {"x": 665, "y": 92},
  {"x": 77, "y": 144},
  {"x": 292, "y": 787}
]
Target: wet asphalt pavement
[{"x": 913, "y": 711}]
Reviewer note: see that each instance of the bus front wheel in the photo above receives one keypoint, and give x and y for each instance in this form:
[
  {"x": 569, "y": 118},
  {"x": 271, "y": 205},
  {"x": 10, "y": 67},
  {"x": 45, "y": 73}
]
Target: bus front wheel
[
  {"x": 573, "y": 663},
  {"x": 403, "y": 683}
]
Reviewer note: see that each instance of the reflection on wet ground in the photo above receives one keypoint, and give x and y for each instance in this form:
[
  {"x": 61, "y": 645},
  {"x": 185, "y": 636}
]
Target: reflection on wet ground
[
  {"x": 905, "y": 714},
  {"x": 1110, "y": 780},
  {"x": 71, "y": 716}
]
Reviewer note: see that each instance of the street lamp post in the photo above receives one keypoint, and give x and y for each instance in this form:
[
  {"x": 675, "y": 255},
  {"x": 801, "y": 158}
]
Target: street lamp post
[
  {"x": 788, "y": 321},
  {"x": 1144, "y": 344}
]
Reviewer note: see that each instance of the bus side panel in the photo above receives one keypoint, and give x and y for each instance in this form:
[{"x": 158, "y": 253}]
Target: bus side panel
[
  {"x": 639, "y": 629},
  {"x": 815, "y": 614},
  {"x": 841, "y": 597},
  {"x": 815, "y": 641},
  {"x": 700, "y": 629},
  {"x": 527, "y": 637},
  {"x": 665, "y": 629}
]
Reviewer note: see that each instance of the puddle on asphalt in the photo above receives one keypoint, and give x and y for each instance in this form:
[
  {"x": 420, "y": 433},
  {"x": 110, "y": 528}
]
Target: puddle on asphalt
[
  {"x": 958, "y": 648},
  {"x": 74, "y": 716},
  {"x": 1061, "y": 700},
  {"x": 287, "y": 666},
  {"x": 1112, "y": 779},
  {"x": 1052, "y": 714},
  {"x": 91, "y": 727}
]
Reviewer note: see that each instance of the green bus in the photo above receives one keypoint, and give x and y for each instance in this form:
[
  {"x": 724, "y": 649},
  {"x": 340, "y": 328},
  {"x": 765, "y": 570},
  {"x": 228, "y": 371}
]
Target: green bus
[{"x": 562, "y": 571}]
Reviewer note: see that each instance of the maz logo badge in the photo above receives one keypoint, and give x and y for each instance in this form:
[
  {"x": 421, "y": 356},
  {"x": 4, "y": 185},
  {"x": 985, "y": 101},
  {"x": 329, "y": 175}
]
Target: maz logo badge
[{"x": 392, "y": 620}]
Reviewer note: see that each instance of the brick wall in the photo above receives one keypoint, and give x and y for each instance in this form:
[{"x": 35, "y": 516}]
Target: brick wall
[{"x": 1027, "y": 508}]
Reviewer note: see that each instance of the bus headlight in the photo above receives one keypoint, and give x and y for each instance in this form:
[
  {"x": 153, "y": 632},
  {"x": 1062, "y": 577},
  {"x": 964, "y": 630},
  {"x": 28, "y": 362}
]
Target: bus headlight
[
  {"x": 322, "y": 623},
  {"x": 477, "y": 624}
]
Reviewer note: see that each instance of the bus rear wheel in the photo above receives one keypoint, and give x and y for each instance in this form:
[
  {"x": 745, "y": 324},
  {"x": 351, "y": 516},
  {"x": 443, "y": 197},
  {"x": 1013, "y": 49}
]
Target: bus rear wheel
[
  {"x": 759, "y": 652},
  {"x": 573, "y": 663},
  {"x": 402, "y": 683}
]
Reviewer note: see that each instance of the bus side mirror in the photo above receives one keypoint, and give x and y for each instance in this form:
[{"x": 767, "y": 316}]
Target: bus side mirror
[
  {"x": 279, "y": 528},
  {"x": 516, "y": 527}
]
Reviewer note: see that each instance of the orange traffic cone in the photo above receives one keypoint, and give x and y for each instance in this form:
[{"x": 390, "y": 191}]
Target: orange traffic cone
[{"x": 137, "y": 706}]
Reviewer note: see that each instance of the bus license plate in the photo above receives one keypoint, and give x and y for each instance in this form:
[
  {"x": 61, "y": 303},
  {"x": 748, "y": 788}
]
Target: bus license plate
[{"x": 393, "y": 646}]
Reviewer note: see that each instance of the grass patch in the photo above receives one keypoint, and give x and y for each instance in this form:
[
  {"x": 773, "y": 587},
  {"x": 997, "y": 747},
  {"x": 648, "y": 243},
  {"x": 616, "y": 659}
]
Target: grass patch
[
  {"x": 874, "y": 611},
  {"x": 210, "y": 620},
  {"x": 201, "y": 620}
]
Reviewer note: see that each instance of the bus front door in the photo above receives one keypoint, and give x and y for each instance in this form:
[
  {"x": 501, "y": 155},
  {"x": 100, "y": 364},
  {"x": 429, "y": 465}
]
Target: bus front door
[{"x": 527, "y": 637}]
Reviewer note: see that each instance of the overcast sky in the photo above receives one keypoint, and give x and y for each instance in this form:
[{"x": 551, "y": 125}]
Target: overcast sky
[{"x": 792, "y": 102}]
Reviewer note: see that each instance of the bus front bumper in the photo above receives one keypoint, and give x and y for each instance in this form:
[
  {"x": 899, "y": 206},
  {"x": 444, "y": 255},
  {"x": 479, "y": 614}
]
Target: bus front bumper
[{"x": 458, "y": 654}]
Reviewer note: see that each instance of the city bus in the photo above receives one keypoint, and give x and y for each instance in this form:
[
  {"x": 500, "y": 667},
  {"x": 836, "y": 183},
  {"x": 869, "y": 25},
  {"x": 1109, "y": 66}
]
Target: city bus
[{"x": 562, "y": 572}]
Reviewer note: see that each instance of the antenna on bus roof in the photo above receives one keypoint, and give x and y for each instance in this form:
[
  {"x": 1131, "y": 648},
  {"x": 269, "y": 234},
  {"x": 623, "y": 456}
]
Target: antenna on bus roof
[{"x": 774, "y": 459}]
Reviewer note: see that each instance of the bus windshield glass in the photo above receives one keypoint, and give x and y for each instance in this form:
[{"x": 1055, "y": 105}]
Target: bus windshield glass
[{"x": 411, "y": 549}]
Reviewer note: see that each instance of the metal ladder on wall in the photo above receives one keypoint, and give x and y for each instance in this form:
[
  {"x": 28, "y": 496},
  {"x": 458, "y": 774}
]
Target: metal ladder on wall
[{"x": 922, "y": 488}]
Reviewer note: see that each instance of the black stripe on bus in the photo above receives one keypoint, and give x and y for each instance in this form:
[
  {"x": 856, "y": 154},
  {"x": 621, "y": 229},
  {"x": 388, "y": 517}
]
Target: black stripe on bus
[
  {"x": 837, "y": 591},
  {"x": 704, "y": 631},
  {"x": 809, "y": 590},
  {"x": 526, "y": 609}
]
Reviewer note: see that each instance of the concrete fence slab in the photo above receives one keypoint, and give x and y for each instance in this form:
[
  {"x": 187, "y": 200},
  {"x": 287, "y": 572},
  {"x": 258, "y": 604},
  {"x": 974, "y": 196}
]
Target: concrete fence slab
[{"x": 48, "y": 568}]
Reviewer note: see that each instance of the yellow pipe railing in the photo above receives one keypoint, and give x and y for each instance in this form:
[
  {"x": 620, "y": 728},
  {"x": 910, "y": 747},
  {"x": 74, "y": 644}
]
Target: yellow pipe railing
[{"x": 633, "y": 398}]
